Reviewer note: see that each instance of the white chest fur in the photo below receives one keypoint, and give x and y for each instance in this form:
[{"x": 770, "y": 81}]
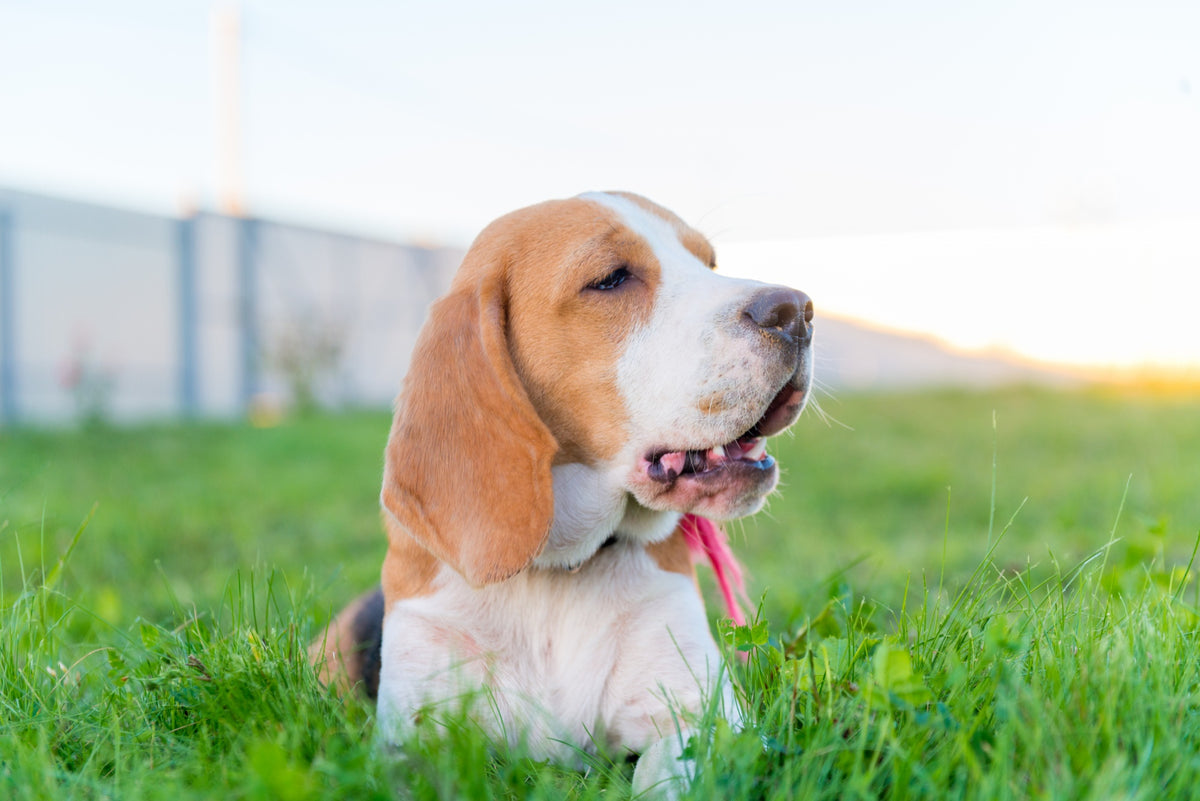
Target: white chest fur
[{"x": 606, "y": 655}]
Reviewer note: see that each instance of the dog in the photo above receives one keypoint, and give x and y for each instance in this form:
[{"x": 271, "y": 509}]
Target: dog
[{"x": 586, "y": 383}]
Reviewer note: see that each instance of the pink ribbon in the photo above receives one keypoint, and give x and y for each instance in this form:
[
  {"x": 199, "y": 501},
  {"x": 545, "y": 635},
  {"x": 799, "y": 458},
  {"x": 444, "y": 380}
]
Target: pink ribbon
[{"x": 705, "y": 538}]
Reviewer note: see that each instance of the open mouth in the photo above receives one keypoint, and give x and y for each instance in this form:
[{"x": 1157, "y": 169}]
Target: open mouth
[{"x": 748, "y": 450}]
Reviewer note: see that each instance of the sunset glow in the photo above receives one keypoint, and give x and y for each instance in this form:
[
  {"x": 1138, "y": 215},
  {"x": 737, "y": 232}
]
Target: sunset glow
[{"x": 1122, "y": 295}]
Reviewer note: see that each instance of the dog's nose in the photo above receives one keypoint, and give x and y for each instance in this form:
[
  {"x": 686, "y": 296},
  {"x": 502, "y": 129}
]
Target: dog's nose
[{"x": 788, "y": 311}]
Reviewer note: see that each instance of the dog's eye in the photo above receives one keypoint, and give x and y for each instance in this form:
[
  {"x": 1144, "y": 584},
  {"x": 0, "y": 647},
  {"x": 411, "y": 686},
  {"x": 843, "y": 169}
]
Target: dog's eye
[{"x": 611, "y": 281}]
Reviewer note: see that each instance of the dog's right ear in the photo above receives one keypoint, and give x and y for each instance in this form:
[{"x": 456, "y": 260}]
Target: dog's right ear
[{"x": 467, "y": 467}]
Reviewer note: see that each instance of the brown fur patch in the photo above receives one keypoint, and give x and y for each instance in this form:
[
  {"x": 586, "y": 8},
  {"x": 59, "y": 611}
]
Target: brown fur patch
[
  {"x": 468, "y": 455},
  {"x": 565, "y": 338},
  {"x": 715, "y": 403},
  {"x": 672, "y": 555},
  {"x": 408, "y": 569}
]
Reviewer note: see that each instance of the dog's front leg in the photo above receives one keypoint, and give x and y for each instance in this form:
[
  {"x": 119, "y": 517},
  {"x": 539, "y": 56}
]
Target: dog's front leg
[
  {"x": 668, "y": 675},
  {"x": 663, "y": 771}
]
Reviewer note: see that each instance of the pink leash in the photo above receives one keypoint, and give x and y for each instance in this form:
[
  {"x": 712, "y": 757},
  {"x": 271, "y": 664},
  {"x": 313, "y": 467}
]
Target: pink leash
[{"x": 705, "y": 538}]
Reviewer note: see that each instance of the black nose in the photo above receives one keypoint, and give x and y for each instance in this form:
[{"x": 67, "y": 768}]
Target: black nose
[{"x": 787, "y": 311}]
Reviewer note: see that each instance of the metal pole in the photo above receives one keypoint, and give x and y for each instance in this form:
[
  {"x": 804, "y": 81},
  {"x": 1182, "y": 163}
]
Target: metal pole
[
  {"x": 8, "y": 324},
  {"x": 227, "y": 29},
  {"x": 248, "y": 307},
  {"x": 185, "y": 243}
]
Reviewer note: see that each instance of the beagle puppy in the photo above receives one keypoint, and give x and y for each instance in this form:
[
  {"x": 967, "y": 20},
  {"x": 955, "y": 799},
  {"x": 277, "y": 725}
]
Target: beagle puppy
[{"x": 587, "y": 382}]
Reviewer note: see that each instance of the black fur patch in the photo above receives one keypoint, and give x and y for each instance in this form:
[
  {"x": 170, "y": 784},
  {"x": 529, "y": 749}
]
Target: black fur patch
[{"x": 367, "y": 628}]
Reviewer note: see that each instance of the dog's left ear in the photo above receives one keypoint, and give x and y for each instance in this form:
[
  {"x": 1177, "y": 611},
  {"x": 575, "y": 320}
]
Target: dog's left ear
[{"x": 467, "y": 469}]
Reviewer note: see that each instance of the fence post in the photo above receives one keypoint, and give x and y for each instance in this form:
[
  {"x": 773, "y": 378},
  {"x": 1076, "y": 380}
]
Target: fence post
[
  {"x": 8, "y": 325},
  {"x": 248, "y": 307},
  {"x": 185, "y": 250}
]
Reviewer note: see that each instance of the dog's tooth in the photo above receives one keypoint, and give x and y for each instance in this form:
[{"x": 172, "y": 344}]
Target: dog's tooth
[
  {"x": 756, "y": 451},
  {"x": 717, "y": 454}
]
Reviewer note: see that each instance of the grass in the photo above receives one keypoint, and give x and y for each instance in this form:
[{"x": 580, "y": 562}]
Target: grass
[
  {"x": 912, "y": 642},
  {"x": 180, "y": 509}
]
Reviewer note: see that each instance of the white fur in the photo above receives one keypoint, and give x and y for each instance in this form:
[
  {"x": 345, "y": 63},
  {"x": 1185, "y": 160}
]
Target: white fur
[
  {"x": 590, "y": 505},
  {"x": 601, "y": 658}
]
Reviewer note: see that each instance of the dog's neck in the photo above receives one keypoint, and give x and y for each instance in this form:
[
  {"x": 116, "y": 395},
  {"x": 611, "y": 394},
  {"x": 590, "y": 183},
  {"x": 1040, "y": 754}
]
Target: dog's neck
[{"x": 591, "y": 505}]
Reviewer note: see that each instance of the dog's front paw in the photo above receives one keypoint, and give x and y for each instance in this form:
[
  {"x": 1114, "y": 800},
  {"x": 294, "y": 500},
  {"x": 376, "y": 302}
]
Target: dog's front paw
[{"x": 662, "y": 772}]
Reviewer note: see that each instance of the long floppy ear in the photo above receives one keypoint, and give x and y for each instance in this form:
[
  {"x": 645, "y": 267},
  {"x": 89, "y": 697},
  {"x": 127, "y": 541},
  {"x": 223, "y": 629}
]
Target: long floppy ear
[{"x": 467, "y": 467}]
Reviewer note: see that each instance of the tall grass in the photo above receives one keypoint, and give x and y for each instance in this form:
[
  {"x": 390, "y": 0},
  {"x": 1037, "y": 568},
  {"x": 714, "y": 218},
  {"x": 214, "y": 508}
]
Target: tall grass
[
  {"x": 1084, "y": 684},
  {"x": 1078, "y": 686}
]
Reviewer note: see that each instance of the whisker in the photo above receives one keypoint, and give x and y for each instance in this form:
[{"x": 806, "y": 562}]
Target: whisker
[{"x": 827, "y": 418}]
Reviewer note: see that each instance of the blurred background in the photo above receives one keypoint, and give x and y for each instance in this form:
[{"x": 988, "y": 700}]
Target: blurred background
[
  {"x": 226, "y": 212},
  {"x": 207, "y": 207}
]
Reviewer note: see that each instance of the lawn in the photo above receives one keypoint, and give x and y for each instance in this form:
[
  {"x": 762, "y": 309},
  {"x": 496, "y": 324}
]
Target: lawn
[{"x": 940, "y": 616}]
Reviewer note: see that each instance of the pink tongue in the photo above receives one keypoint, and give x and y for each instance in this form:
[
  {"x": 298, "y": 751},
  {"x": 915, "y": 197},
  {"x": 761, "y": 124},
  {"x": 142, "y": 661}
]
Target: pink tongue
[{"x": 674, "y": 461}]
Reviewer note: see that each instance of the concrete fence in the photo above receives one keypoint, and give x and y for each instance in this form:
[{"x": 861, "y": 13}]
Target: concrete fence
[{"x": 123, "y": 315}]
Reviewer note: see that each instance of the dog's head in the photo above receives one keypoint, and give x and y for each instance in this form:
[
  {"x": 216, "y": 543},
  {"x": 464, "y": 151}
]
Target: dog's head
[{"x": 590, "y": 334}]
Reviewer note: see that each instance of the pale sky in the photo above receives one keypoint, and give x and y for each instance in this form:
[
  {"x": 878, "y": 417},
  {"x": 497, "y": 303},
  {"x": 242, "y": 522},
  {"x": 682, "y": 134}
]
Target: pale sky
[{"x": 1007, "y": 174}]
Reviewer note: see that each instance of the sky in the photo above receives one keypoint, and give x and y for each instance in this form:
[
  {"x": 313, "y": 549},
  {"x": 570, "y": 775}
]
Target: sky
[{"x": 1019, "y": 175}]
